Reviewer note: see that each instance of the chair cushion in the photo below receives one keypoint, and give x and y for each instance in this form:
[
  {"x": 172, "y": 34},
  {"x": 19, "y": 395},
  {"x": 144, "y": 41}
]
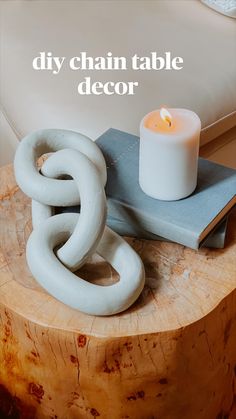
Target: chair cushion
[{"x": 38, "y": 99}]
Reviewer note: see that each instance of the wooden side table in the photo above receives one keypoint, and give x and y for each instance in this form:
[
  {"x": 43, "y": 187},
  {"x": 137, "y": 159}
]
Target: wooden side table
[{"x": 171, "y": 356}]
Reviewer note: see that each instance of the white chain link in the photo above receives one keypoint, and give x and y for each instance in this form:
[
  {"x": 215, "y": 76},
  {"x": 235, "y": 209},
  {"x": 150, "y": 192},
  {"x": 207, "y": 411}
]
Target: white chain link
[{"x": 77, "y": 236}]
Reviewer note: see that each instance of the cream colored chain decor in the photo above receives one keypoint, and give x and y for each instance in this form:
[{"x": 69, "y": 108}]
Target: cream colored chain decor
[{"x": 60, "y": 244}]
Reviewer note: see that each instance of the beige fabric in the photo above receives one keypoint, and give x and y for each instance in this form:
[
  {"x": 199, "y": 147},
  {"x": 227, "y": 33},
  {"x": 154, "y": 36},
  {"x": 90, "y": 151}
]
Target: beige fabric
[
  {"x": 8, "y": 141},
  {"x": 34, "y": 100}
]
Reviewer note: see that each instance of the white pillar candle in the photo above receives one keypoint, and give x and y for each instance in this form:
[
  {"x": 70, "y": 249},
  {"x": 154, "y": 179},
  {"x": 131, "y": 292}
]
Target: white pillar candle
[{"x": 168, "y": 160}]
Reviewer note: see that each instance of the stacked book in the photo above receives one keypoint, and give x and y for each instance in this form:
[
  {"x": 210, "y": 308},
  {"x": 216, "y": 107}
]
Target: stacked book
[{"x": 198, "y": 220}]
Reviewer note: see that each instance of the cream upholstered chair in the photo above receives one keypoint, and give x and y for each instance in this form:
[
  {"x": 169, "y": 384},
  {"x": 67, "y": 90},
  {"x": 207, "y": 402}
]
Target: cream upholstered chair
[{"x": 38, "y": 99}]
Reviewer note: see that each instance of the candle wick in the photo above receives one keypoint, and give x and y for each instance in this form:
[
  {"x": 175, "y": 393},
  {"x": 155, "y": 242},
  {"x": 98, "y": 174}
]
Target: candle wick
[{"x": 168, "y": 120}]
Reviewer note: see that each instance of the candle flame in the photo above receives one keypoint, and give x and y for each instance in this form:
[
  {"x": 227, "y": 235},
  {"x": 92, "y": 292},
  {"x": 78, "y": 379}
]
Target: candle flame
[{"x": 166, "y": 116}]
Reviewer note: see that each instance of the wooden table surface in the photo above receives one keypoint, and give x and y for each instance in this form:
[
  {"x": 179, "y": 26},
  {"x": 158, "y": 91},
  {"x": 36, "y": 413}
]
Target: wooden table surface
[{"x": 171, "y": 355}]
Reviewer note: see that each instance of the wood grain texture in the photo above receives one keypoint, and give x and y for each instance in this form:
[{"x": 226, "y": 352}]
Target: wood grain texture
[{"x": 170, "y": 356}]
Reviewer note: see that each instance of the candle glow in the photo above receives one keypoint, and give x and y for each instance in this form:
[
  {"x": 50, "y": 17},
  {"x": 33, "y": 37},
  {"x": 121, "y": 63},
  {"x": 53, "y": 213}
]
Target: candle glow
[{"x": 166, "y": 116}]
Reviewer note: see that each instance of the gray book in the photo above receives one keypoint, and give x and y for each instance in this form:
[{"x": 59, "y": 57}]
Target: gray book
[
  {"x": 216, "y": 239},
  {"x": 188, "y": 221}
]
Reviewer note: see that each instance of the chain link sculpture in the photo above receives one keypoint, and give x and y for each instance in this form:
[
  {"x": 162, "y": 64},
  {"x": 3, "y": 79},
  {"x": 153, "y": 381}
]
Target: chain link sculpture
[{"x": 62, "y": 243}]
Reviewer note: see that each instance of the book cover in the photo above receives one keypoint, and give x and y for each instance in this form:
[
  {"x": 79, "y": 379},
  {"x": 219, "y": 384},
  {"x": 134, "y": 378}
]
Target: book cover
[
  {"x": 187, "y": 221},
  {"x": 215, "y": 240}
]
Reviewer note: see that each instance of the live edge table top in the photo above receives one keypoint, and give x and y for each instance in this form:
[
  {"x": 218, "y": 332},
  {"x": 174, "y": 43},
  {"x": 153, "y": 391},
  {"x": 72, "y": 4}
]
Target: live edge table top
[{"x": 182, "y": 285}]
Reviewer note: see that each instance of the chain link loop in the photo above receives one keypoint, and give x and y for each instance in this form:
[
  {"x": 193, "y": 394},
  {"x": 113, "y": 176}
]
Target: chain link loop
[{"x": 77, "y": 236}]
